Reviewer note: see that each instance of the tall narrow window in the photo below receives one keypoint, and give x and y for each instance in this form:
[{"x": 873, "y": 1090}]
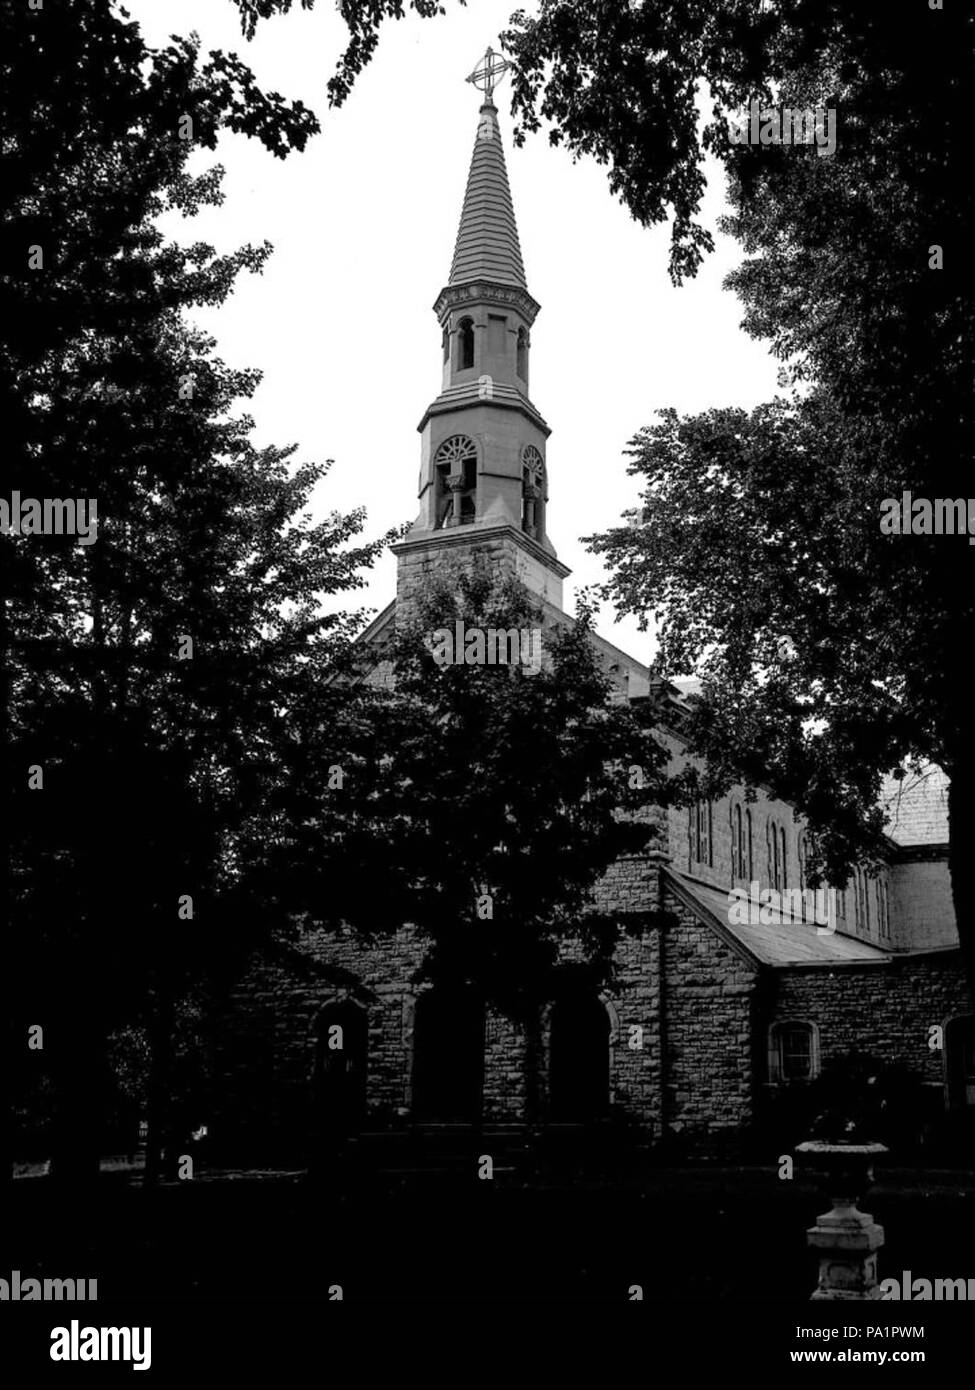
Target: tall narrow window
[
  {"x": 741, "y": 841},
  {"x": 465, "y": 344},
  {"x": 769, "y": 855},
  {"x": 737, "y": 842},
  {"x": 772, "y": 849},
  {"x": 865, "y": 891},
  {"x": 861, "y": 903},
  {"x": 700, "y": 825},
  {"x": 783, "y": 859},
  {"x": 522, "y": 363},
  {"x": 446, "y": 342},
  {"x": 883, "y": 910},
  {"x": 776, "y": 854}
]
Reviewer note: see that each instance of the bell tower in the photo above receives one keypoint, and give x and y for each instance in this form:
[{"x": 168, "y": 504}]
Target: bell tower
[{"x": 483, "y": 478}]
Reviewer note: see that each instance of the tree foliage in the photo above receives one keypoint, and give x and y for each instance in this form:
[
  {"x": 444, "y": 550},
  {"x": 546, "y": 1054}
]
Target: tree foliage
[
  {"x": 363, "y": 19},
  {"x": 484, "y": 788},
  {"x": 832, "y": 652},
  {"x": 153, "y": 676}
]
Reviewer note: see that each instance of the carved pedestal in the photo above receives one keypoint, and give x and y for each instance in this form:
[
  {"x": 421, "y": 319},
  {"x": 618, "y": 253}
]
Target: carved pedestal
[{"x": 847, "y": 1239}]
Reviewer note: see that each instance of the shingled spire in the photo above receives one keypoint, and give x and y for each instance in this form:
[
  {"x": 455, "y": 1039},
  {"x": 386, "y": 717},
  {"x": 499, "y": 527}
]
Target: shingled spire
[
  {"x": 487, "y": 241},
  {"x": 483, "y": 486}
]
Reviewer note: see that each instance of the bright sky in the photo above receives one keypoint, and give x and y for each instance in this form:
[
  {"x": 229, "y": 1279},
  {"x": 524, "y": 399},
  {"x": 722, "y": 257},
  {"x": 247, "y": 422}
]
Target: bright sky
[{"x": 363, "y": 225}]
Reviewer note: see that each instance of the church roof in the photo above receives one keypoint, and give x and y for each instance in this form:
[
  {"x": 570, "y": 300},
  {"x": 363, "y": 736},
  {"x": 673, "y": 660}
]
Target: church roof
[
  {"x": 471, "y": 393},
  {"x": 781, "y": 943},
  {"x": 487, "y": 242}
]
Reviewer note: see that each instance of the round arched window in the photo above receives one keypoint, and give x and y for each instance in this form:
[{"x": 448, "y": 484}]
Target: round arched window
[
  {"x": 456, "y": 466},
  {"x": 532, "y": 490}
]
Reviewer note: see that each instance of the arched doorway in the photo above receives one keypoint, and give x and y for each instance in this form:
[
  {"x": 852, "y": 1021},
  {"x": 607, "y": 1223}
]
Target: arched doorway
[
  {"x": 341, "y": 1061},
  {"x": 579, "y": 1058},
  {"x": 448, "y": 1056}
]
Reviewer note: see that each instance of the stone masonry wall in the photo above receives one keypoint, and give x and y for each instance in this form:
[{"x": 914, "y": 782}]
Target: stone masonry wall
[
  {"x": 883, "y": 1011},
  {"x": 266, "y": 1039},
  {"x": 709, "y": 1042},
  {"x": 710, "y": 1022}
]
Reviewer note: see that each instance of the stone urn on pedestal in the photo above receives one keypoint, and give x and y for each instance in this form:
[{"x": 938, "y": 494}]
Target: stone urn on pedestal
[{"x": 847, "y": 1239}]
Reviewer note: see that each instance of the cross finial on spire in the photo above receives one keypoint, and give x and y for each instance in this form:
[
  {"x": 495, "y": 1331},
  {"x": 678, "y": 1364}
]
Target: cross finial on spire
[{"x": 489, "y": 74}]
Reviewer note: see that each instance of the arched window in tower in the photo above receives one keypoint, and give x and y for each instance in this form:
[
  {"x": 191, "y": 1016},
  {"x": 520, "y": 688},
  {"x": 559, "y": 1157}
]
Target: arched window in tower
[
  {"x": 522, "y": 360},
  {"x": 532, "y": 492},
  {"x": 446, "y": 342},
  {"x": 465, "y": 344},
  {"x": 456, "y": 471}
]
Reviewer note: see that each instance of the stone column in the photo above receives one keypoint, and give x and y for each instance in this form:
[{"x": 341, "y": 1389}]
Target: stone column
[
  {"x": 530, "y": 494},
  {"x": 455, "y": 482}
]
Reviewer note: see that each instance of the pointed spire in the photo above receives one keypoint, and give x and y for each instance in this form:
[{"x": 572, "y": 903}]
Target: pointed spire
[{"x": 487, "y": 242}]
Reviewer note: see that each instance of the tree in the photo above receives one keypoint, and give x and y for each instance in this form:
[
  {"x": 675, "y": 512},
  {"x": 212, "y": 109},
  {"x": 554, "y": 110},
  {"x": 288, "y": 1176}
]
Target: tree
[
  {"x": 363, "y": 19},
  {"x": 881, "y": 348},
  {"x": 486, "y": 802},
  {"x": 757, "y": 549},
  {"x": 153, "y": 668}
]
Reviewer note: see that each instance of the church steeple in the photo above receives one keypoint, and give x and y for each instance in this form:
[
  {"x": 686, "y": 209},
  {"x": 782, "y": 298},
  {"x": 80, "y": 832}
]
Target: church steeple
[
  {"x": 487, "y": 240},
  {"x": 483, "y": 476}
]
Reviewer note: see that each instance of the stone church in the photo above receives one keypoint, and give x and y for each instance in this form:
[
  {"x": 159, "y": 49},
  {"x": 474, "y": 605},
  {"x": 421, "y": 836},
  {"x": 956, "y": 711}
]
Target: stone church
[{"x": 720, "y": 1019}]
